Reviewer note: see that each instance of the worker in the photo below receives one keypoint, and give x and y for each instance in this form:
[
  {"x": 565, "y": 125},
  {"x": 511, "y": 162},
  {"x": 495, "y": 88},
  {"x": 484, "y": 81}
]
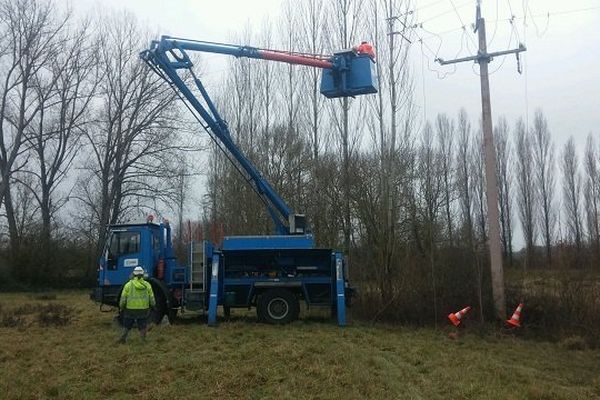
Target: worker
[
  {"x": 365, "y": 48},
  {"x": 136, "y": 299}
]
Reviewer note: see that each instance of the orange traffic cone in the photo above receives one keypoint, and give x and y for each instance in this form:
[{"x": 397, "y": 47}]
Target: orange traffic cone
[
  {"x": 456, "y": 317},
  {"x": 515, "y": 320}
]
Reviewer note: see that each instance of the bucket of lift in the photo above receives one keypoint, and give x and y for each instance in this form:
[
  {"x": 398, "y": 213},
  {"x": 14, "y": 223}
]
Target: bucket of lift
[{"x": 352, "y": 75}]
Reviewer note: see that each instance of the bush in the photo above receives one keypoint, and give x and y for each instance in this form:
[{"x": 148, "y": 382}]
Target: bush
[
  {"x": 44, "y": 296},
  {"x": 574, "y": 343},
  {"x": 27, "y": 314},
  {"x": 55, "y": 315},
  {"x": 562, "y": 306},
  {"x": 25, "y": 309},
  {"x": 11, "y": 321},
  {"x": 410, "y": 296}
]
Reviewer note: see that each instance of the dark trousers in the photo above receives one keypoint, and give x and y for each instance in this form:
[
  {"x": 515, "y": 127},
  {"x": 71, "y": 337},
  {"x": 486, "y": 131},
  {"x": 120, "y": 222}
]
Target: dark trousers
[{"x": 135, "y": 317}]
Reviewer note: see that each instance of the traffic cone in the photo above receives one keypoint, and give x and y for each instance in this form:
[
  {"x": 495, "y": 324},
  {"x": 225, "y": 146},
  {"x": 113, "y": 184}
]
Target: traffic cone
[
  {"x": 456, "y": 317},
  {"x": 515, "y": 320}
]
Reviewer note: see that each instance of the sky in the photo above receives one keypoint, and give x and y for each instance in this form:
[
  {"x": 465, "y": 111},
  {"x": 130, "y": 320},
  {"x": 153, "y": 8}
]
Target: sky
[
  {"x": 561, "y": 73},
  {"x": 561, "y": 67}
]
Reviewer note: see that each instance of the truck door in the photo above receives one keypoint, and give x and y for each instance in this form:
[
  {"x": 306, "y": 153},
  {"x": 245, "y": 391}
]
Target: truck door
[{"x": 124, "y": 253}]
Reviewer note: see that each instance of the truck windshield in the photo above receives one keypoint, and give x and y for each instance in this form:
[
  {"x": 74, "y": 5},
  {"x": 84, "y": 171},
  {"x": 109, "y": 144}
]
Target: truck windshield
[{"x": 124, "y": 243}]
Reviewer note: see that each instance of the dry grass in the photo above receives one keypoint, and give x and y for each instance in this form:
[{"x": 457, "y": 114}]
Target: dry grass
[{"x": 306, "y": 360}]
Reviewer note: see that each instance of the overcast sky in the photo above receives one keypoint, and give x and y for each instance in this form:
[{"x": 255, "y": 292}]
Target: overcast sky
[
  {"x": 561, "y": 66},
  {"x": 562, "y": 63}
]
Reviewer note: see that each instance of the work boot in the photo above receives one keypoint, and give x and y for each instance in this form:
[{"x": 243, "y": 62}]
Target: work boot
[{"x": 123, "y": 337}]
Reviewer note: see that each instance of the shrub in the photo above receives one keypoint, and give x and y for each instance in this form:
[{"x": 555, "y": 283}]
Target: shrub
[
  {"x": 574, "y": 342},
  {"x": 10, "y": 319},
  {"x": 16, "y": 317},
  {"x": 560, "y": 306},
  {"x": 55, "y": 315},
  {"x": 25, "y": 309},
  {"x": 44, "y": 296}
]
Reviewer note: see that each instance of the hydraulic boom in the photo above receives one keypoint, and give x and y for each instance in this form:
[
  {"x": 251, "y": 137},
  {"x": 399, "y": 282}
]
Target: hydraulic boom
[{"x": 346, "y": 73}]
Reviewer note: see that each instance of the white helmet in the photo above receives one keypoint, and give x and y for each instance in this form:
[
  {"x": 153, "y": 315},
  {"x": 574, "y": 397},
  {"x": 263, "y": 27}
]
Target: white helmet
[{"x": 138, "y": 271}]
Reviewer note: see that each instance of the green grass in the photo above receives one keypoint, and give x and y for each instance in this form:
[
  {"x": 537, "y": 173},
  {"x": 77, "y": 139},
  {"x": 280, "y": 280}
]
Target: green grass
[{"x": 305, "y": 360}]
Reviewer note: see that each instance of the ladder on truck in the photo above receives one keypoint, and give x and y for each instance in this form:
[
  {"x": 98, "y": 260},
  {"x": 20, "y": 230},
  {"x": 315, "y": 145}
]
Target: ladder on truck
[{"x": 195, "y": 292}]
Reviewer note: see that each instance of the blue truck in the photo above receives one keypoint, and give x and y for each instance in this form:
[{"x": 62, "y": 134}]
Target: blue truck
[{"x": 272, "y": 273}]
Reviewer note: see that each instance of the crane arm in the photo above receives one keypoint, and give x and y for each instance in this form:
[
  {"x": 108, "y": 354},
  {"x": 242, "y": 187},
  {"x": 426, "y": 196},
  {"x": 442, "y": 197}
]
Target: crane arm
[{"x": 346, "y": 73}]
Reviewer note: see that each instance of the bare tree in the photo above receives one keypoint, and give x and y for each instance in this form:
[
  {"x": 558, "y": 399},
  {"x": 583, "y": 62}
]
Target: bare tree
[
  {"x": 312, "y": 15},
  {"x": 345, "y": 24},
  {"x": 290, "y": 78},
  {"x": 465, "y": 174},
  {"x": 572, "y": 193},
  {"x": 445, "y": 135},
  {"x": 478, "y": 187},
  {"x": 431, "y": 192},
  {"x": 390, "y": 126},
  {"x": 592, "y": 193},
  {"x": 526, "y": 194},
  {"x": 31, "y": 30},
  {"x": 132, "y": 143},
  {"x": 469, "y": 185},
  {"x": 543, "y": 154},
  {"x": 54, "y": 137},
  {"x": 503, "y": 173}
]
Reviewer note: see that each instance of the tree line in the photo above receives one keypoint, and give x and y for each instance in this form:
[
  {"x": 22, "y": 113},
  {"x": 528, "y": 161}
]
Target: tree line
[
  {"x": 91, "y": 137},
  {"x": 88, "y": 137}
]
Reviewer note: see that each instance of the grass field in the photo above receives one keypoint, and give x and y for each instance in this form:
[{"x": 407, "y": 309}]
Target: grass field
[{"x": 309, "y": 359}]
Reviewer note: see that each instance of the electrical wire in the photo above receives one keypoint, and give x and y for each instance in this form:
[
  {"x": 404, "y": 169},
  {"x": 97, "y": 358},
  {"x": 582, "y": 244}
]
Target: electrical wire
[
  {"x": 526, "y": 83},
  {"x": 512, "y": 19},
  {"x": 428, "y": 5},
  {"x": 495, "y": 23},
  {"x": 440, "y": 75},
  {"x": 447, "y": 12},
  {"x": 549, "y": 14},
  {"x": 537, "y": 30},
  {"x": 434, "y": 35},
  {"x": 423, "y": 83},
  {"x": 461, "y": 20},
  {"x": 443, "y": 33}
]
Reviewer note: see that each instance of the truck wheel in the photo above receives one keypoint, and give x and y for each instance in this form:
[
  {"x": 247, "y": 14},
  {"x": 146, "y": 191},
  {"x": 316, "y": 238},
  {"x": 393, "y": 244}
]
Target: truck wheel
[
  {"x": 159, "y": 310},
  {"x": 278, "y": 307}
]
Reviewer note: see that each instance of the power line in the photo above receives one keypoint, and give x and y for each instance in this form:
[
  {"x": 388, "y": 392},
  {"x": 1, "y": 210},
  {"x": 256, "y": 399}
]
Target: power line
[
  {"x": 428, "y": 5},
  {"x": 435, "y": 54},
  {"x": 548, "y": 13},
  {"x": 512, "y": 19},
  {"x": 526, "y": 83},
  {"x": 447, "y": 11},
  {"x": 461, "y": 20},
  {"x": 577, "y": 10},
  {"x": 423, "y": 87}
]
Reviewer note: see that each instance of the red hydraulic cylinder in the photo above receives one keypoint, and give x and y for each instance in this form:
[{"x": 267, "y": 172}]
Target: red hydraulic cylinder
[{"x": 295, "y": 59}]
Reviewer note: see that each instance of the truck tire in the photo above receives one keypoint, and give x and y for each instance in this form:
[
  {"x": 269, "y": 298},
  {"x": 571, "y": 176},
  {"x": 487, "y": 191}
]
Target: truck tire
[
  {"x": 278, "y": 307},
  {"x": 159, "y": 310}
]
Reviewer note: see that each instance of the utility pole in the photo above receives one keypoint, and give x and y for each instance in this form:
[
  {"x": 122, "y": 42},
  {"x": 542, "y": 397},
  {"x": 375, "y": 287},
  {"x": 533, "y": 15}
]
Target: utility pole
[{"x": 483, "y": 58}]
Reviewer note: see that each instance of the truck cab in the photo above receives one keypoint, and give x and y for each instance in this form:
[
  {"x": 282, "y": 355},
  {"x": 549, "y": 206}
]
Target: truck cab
[{"x": 144, "y": 244}]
